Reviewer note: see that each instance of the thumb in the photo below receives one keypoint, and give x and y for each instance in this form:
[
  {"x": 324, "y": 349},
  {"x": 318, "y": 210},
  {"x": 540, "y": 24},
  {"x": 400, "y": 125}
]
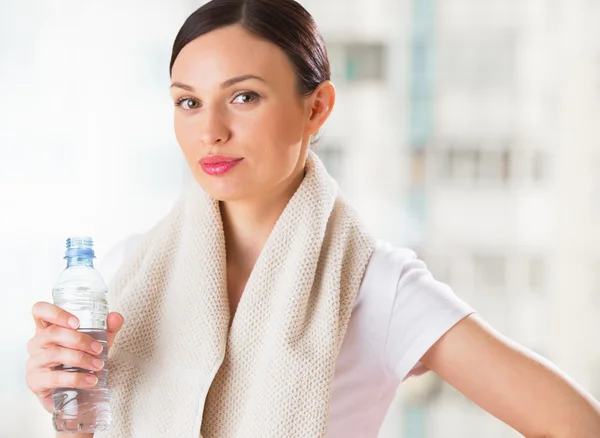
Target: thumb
[{"x": 114, "y": 322}]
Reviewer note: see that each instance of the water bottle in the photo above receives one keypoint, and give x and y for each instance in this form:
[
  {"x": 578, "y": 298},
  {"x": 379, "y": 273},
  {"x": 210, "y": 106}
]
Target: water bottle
[{"x": 81, "y": 291}]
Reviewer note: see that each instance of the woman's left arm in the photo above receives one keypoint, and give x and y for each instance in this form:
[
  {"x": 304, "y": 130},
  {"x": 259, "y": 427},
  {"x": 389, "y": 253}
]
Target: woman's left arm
[{"x": 517, "y": 386}]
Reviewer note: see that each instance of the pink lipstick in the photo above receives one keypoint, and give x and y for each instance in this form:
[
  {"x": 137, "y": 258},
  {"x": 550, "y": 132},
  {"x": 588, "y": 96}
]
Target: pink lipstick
[{"x": 218, "y": 164}]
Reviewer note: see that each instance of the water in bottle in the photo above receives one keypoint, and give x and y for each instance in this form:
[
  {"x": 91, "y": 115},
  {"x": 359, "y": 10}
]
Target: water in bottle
[{"x": 81, "y": 291}]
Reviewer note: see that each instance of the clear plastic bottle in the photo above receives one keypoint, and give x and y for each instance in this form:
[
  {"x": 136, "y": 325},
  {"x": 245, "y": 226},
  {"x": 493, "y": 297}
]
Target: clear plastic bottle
[{"x": 81, "y": 291}]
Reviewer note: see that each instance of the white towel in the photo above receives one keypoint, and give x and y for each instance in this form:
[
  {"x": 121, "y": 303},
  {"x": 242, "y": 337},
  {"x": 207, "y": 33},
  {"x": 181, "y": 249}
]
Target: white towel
[{"x": 177, "y": 369}]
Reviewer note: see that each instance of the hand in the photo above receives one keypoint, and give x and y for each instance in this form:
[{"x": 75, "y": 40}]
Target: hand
[{"x": 57, "y": 342}]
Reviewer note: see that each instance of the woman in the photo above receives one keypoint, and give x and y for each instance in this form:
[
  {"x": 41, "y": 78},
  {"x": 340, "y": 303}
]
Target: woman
[{"x": 260, "y": 306}]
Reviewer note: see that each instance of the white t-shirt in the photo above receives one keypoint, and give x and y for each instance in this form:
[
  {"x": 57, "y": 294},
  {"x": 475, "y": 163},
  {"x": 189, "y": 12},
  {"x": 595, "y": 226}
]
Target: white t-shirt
[{"x": 399, "y": 313}]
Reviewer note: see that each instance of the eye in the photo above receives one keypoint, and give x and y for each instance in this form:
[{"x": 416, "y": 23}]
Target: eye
[
  {"x": 246, "y": 97},
  {"x": 187, "y": 103}
]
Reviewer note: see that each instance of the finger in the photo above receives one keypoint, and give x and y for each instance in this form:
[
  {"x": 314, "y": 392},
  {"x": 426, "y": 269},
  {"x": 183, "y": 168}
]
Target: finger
[
  {"x": 46, "y": 400},
  {"x": 55, "y": 356},
  {"x": 38, "y": 342},
  {"x": 115, "y": 323},
  {"x": 42, "y": 381},
  {"x": 68, "y": 338},
  {"x": 45, "y": 314}
]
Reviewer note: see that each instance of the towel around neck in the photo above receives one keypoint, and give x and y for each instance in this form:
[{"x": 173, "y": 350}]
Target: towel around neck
[{"x": 178, "y": 369}]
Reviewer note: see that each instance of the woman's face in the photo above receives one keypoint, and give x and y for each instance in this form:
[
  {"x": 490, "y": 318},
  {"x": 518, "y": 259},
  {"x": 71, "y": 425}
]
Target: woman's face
[{"x": 239, "y": 119}]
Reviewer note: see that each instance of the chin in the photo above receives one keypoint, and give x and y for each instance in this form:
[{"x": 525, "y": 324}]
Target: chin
[{"x": 221, "y": 189}]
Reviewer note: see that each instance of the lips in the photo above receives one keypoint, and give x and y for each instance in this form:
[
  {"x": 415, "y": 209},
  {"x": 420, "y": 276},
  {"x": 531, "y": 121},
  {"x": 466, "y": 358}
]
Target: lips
[
  {"x": 218, "y": 164},
  {"x": 217, "y": 159}
]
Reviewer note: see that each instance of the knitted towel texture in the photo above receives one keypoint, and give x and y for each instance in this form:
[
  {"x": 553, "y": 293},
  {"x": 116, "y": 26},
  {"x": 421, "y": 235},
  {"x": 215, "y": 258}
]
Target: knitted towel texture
[{"x": 178, "y": 368}]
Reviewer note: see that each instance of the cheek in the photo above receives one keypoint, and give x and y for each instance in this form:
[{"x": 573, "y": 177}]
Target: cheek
[
  {"x": 276, "y": 130},
  {"x": 277, "y": 144}
]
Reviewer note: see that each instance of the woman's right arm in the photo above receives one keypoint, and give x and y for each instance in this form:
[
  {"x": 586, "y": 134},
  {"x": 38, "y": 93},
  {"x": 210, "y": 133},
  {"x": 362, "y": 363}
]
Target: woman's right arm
[{"x": 57, "y": 342}]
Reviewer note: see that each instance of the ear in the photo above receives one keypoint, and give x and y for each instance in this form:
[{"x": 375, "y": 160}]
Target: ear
[{"x": 319, "y": 106}]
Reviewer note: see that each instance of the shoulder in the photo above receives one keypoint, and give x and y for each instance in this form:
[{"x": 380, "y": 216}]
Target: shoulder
[
  {"x": 382, "y": 275},
  {"x": 398, "y": 272},
  {"x": 387, "y": 262},
  {"x": 418, "y": 309}
]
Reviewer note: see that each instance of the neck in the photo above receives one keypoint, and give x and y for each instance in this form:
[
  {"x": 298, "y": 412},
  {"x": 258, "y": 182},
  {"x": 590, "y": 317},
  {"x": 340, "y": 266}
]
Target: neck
[{"x": 248, "y": 223}]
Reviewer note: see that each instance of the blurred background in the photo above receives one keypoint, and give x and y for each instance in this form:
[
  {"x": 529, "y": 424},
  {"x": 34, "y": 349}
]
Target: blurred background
[{"x": 467, "y": 130}]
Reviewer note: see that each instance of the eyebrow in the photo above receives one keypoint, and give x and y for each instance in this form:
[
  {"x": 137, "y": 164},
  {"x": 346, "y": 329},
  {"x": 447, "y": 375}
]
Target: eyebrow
[{"x": 226, "y": 84}]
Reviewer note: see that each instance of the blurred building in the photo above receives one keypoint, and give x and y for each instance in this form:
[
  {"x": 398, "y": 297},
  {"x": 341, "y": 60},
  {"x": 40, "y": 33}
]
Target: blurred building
[{"x": 469, "y": 131}]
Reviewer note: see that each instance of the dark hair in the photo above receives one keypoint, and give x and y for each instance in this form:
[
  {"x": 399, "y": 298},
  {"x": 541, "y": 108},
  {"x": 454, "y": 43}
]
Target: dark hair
[{"x": 283, "y": 22}]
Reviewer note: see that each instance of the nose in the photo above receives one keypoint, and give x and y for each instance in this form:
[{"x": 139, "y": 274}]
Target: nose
[{"x": 213, "y": 129}]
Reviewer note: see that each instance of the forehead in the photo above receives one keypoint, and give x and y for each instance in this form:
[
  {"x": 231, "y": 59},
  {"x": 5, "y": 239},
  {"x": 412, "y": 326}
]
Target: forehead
[{"x": 228, "y": 52}]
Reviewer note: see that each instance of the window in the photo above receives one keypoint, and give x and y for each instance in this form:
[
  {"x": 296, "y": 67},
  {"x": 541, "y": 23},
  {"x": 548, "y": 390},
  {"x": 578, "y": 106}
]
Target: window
[
  {"x": 464, "y": 164},
  {"x": 358, "y": 61},
  {"x": 365, "y": 61},
  {"x": 473, "y": 164}
]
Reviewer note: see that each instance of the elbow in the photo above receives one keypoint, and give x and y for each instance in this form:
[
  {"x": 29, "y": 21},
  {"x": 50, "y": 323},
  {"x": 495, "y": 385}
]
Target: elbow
[{"x": 579, "y": 420}]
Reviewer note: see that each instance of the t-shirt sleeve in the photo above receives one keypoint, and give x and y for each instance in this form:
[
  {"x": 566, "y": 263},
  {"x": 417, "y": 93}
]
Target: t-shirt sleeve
[{"x": 424, "y": 309}]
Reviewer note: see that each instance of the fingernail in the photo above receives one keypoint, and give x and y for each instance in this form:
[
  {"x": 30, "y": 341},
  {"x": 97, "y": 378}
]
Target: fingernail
[
  {"x": 98, "y": 363},
  {"x": 97, "y": 347},
  {"x": 91, "y": 379},
  {"x": 73, "y": 322}
]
